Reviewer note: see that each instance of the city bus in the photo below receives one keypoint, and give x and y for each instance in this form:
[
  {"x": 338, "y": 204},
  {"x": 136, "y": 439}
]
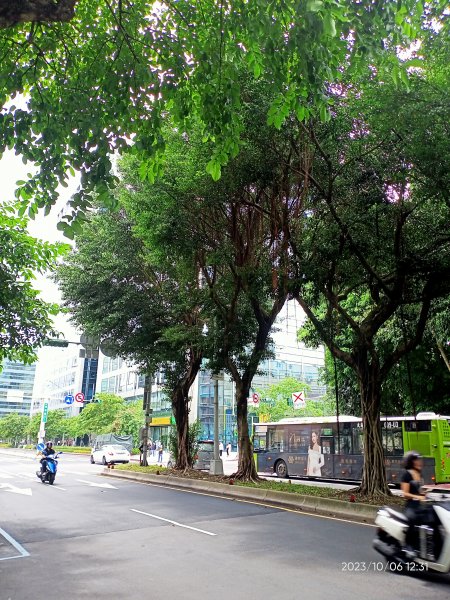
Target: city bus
[{"x": 332, "y": 448}]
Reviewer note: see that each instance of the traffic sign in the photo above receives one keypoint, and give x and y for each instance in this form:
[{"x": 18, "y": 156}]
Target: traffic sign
[
  {"x": 69, "y": 399},
  {"x": 254, "y": 400},
  {"x": 298, "y": 399},
  {"x": 79, "y": 397},
  {"x": 40, "y": 447},
  {"x": 45, "y": 413}
]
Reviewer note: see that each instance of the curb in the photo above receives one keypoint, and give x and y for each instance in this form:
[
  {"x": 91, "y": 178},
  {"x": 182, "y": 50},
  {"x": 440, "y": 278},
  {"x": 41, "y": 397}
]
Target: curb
[{"x": 361, "y": 513}]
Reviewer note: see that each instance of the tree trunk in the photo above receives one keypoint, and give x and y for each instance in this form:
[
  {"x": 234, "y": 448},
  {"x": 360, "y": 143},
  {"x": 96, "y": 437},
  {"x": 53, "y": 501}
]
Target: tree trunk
[
  {"x": 374, "y": 482},
  {"x": 180, "y": 408},
  {"x": 246, "y": 466},
  {"x": 28, "y": 11},
  {"x": 180, "y": 405}
]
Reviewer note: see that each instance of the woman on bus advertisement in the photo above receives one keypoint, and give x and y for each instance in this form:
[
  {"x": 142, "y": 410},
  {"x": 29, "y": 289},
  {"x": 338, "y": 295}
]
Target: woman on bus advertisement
[{"x": 315, "y": 457}]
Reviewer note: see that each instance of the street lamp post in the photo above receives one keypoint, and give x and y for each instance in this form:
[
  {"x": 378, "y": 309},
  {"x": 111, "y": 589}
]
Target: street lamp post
[
  {"x": 216, "y": 465},
  {"x": 148, "y": 418}
]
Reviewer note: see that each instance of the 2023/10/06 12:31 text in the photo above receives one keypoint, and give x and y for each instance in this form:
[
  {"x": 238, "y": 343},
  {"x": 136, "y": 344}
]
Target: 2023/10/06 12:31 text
[{"x": 379, "y": 566}]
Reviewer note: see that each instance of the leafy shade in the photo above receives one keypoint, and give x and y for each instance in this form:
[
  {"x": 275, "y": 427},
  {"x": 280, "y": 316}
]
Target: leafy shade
[
  {"x": 25, "y": 319},
  {"x": 113, "y": 72}
]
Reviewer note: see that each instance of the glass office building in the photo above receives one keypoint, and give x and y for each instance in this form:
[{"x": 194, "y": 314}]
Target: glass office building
[{"x": 16, "y": 388}]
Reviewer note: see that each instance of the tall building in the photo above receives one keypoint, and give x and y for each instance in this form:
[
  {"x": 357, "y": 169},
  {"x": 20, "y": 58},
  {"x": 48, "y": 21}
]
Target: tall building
[
  {"x": 16, "y": 388},
  {"x": 291, "y": 359},
  {"x": 116, "y": 376},
  {"x": 62, "y": 373}
]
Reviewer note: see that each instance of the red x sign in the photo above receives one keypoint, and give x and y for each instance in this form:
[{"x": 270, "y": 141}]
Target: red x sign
[{"x": 298, "y": 398}]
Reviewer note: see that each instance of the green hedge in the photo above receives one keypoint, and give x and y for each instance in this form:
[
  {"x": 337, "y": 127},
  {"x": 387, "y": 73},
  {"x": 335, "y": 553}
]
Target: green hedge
[{"x": 76, "y": 449}]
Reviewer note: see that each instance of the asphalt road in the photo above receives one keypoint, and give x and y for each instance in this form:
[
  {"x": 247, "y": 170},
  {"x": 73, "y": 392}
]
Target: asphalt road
[{"x": 98, "y": 538}]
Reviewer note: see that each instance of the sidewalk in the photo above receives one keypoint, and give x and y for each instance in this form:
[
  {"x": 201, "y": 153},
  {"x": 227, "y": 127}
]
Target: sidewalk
[{"x": 230, "y": 463}]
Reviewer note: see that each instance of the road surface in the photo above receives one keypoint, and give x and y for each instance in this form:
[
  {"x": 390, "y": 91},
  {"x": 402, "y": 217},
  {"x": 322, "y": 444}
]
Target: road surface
[{"x": 98, "y": 538}]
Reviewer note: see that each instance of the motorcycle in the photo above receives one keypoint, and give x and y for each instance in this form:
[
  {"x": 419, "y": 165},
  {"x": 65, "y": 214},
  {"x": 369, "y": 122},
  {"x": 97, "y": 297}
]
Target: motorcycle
[
  {"x": 49, "y": 474},
  {"x": 433, "y": 552}
]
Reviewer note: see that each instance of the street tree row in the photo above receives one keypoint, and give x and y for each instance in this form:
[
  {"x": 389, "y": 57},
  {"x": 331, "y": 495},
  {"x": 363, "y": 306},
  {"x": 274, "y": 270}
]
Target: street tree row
[
  {"x": 108, "y": 414},
  {"x": 348, "y": 217},
  {"x": 328, "y": 180}
]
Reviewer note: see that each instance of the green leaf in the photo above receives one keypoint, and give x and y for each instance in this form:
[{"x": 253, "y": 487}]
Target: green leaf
[
  {"x": 329, "y": 25},
  {"x": 301, "y": 113},
  {"x": 314, "y": 5},
  {"x": 213, "y": 168},
  {"x": 414, "y": 62},
  {"x": 324, "y": 114}
]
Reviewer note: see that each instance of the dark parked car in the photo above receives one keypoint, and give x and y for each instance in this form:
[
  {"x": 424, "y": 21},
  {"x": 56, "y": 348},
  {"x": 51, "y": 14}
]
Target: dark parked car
[{"x": 204, "y": 455}]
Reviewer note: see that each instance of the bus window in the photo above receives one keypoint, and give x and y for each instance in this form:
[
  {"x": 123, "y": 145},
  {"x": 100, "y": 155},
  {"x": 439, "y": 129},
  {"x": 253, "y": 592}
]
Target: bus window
[
  {"x": 418, "y": 425},
  {"x": 259, "y": 440},
  {"x": 276, "y": 440},
  {"x": 327, "y": 444},
  {"x": 299, "y": 440},
  {"x": 358, "y": 440},
  {"x": 345, "y": 444},
  {"x": 392, "y": 442}
]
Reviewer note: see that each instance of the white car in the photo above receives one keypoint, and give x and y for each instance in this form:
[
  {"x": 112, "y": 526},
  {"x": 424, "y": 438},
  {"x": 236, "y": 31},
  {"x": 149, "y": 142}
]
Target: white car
[{"x": 111, "y": 454}]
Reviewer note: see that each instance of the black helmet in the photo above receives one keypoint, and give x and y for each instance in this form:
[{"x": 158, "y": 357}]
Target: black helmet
[
  {"x": 409, "y": 458},
  {"x": 49, "y": 444}
]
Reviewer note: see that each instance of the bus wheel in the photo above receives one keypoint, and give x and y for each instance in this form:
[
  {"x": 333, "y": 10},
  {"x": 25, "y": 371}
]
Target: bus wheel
[{"x": 281, "y": 469}]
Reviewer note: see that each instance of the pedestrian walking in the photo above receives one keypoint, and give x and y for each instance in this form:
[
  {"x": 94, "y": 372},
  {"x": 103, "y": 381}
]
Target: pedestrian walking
[
  {"x": 220, "y": 449},
  {"x": 228, "y": 448},
  {"x": 160, "y": 453}
]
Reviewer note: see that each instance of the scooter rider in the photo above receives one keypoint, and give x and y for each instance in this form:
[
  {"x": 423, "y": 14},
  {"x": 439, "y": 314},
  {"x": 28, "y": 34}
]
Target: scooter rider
[
  {"x": 47, "y": 451},
  {"x": 411, "y": 486}
]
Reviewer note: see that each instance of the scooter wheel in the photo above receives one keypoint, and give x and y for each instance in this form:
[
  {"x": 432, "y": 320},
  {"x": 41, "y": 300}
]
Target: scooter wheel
[{"x": 51, "y": 478}]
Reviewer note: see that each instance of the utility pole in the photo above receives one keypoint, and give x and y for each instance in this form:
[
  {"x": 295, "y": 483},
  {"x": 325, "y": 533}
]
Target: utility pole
[
  {"x": 148, "y": 418},
  {"x": 216, "y": 465}
]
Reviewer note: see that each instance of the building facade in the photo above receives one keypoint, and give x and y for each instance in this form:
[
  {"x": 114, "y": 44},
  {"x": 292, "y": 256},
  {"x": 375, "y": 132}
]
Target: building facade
[
  {"x": 16, "y": 388},
  {"x": 63, "y": 373}
]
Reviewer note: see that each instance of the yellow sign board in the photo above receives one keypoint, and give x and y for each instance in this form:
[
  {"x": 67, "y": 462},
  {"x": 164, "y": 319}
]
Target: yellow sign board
[{"x": 160, "y": 421}]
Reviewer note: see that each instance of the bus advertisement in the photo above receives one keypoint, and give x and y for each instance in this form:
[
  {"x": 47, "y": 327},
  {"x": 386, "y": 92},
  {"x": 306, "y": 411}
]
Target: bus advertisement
[{"x": 331, "y": 448}]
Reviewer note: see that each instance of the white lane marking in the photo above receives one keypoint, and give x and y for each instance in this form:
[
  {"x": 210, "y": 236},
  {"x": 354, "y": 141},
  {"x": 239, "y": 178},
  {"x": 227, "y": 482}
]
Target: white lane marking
[
  {"x": 173, "y": 522},
  {"x": 6, "y": 476},
  {"x": 297, "y": 511},
  {"x": 77, "y": 472},
  {"x": 17, "y": 546},
  {"x": 100, "y": 485},
  {"x": 57, "y": 487},
  {"x": 9, "y": 487}
]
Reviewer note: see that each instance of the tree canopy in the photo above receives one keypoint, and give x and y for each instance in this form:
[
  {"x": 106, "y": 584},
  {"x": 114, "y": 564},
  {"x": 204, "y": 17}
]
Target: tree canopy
[
  {"x": 25, "y": 319},
  {"x": 73, "y": 93},
  {"x": 374, "y": 249}
]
